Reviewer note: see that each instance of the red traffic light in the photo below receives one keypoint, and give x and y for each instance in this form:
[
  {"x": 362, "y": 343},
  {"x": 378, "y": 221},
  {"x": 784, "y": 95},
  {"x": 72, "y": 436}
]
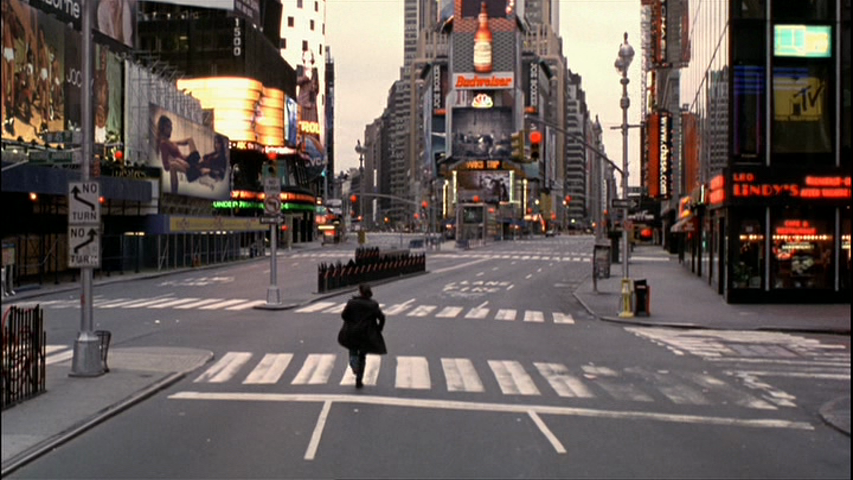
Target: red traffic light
[
  {"x": 353, "y": 198},
  {"x": 425, "y": 204},
  {"x": 568, "y": 198},
  {"x": 535, "y": 137}
]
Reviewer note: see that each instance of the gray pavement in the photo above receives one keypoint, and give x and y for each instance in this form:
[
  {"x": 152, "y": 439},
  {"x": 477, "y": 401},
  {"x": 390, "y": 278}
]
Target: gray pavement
[{"x": 72, "y": 405}]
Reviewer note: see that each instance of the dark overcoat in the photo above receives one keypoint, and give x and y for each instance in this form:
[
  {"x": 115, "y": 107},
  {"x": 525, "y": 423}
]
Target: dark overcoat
[{"x": 363, "y": 324}]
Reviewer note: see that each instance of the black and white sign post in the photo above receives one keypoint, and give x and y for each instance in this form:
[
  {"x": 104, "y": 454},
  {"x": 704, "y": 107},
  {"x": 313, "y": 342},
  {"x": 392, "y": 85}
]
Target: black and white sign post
[
  {"x": 272, "y": 205},
  {"x": 84, "y": 218}
]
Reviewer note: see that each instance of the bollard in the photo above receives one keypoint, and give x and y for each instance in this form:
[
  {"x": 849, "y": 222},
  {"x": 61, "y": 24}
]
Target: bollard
[{"x": 625, "y": 301}]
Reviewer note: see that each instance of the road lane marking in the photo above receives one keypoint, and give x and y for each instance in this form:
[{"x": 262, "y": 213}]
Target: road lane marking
[
  {"x": 422, "y": 310},
  {"x": 506, "y": 314},
  {"x": 247, "y": 305},
  {"x": 198, "y": 303},
  {"x": 223, "y": 304},
  {"x": 547, "y": 432},
  {"x": 496, "y": 407},
  {"x": 314, "y": 443},
  {"x": 461, "y": 265},
  {"x": 563, "y": 318},
  {"x": 533, "y": 316}
]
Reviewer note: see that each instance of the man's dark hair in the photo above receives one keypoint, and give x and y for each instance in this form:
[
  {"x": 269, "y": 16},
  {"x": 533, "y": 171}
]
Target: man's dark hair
[{"x": 364, "y": 290}]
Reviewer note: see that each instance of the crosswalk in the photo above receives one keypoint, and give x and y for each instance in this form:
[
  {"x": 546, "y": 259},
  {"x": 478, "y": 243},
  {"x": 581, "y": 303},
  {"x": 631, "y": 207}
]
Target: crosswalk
[
  {"x": 410, "y": 308},
  {"x": 519, "y": 256},
  {"x": 457, "y": 375}
]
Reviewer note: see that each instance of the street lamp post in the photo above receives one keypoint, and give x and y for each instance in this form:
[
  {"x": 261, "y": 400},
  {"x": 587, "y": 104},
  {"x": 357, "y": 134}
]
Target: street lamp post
[
  {"x": 361, "y": 180},
  {"x": 623, "y": 61}
]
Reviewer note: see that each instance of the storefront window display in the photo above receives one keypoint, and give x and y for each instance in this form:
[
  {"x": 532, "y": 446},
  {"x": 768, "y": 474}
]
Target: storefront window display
[
  {"x": 748, "y": 267},
  {"x": 802, "y": 250}
]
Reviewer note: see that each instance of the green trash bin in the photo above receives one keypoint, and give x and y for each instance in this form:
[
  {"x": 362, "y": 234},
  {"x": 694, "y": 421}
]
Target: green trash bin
[{"x": 362, "y": 237}]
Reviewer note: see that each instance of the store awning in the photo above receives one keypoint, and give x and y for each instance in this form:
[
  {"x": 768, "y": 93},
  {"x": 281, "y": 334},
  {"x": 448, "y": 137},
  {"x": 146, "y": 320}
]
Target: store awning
[{"x": 686, "y": 224}]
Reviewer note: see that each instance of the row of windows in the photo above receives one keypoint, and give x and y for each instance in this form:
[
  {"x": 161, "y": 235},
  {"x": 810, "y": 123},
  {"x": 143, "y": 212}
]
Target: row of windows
[
  {"x": 316, "y": 5},
  {"x": 291, "y": 22}
]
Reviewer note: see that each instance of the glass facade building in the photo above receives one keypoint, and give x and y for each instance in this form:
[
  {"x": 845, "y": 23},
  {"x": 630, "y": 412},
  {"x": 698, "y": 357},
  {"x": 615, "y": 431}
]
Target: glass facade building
[{"x": 768, "y": 90}]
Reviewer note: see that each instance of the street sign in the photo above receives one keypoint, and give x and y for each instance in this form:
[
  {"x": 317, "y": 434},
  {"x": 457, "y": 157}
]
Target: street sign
[
  {"x": 272, "y": 187},
  {"x": 84, "y": 246},
  {"x": 272, "y": 205},
  {"x": 84, "y": 207},
  {"x": 622, "y": 203},
  {"x": 274, "y": 220}
]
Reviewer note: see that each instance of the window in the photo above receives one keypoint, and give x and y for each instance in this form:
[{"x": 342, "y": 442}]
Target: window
[
  {"x": 802, "y": 249},
  {"x": 748, "y": 261},
  {"x": 283, "y": 44},
  {"x": 312, "y": 25},
  {"x": 304, "y": 45},
  {"x": 298, "y": 3},
  {"x": 290, "y": 21},
  {"x": 803, "y": 11},
  {"x": 316, "y": 6}
]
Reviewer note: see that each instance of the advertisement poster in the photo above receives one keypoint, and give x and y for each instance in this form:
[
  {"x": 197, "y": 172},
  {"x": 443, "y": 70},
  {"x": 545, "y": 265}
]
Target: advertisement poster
[
  {"x": 489, "y": 186},
  {"x": 482, "y": 133},
  {"x": 195, "y": 160}
]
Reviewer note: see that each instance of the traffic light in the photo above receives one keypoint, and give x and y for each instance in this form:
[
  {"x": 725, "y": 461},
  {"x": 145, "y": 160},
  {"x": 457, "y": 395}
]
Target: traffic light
[
  {"x": 353, "y": 198},
  {"x": 535, "y": 143},
  {"x": 518, "y": 139},
  {"x": 424, "y": 204}
]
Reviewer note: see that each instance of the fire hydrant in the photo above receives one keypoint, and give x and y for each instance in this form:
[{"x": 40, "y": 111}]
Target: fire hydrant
[{"x": 625, "y": 301}]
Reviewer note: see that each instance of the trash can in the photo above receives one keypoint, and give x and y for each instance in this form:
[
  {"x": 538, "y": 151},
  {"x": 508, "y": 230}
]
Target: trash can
[
  {"x": 104, "y": 337},
  {"x": 642, "y": 298},
  {"x": 362, "y": 237}
]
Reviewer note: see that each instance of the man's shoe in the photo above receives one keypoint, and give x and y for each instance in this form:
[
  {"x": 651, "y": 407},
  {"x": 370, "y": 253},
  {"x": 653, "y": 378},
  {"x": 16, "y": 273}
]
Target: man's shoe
[{"x": 358, "y": 383}]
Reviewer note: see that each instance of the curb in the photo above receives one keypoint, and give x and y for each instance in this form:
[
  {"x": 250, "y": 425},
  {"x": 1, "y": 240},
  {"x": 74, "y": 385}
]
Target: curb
[{"x": 50, "y": 443}]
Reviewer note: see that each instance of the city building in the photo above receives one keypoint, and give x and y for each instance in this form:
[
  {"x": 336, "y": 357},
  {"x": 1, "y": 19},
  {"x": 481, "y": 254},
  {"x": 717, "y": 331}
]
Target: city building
[{"x": 762, "y": 199}]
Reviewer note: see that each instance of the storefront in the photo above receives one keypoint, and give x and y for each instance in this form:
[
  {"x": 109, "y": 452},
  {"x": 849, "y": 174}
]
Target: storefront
[{"x": 781, "y": 235}]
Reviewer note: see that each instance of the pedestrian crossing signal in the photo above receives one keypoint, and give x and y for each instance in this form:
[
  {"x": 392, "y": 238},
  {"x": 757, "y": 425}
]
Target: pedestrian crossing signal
[{"x": 518, "y": 145}]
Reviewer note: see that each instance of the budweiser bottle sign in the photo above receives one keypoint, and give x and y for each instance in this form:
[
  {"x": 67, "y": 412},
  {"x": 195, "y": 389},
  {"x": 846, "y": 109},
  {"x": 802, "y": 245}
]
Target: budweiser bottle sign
[{"x": 483, "y": 43}]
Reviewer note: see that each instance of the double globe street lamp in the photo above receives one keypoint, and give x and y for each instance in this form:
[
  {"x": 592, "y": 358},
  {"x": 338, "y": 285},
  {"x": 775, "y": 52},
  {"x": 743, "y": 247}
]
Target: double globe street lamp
[{"x": 623, "y": 61}]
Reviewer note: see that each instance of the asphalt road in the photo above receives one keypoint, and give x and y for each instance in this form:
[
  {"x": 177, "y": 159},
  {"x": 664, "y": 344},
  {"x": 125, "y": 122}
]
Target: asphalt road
[{"x": 494, "y": 371}]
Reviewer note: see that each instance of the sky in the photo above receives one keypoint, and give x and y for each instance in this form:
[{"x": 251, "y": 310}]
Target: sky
[{"x": 366, "y": 41}]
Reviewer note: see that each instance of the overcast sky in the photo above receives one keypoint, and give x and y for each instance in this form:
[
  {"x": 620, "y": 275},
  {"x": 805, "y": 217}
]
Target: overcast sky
[{"x": 366, "y": 39}]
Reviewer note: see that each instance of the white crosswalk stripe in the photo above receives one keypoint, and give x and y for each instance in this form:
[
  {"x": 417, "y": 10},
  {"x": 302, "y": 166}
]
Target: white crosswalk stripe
[
  {"x": 533, "y": 316},
  {"x": 173, "y": 303},
  {"x": 270, "y": 370},
  {"x": 413, "y": 372},
  {"x": 422, "y": 310},
  {"x": 247, "y": 305},
  {"x": 315, "y": 307},
  {"x": 315, "y": 370},
  {"x": 505, "y": 314},
  {"x": 449, "y": 312},
  {"x": 371, "y": 372},
  {"x": 561, "y": 381},
  {"x": 461, "y": 375},
  {"x": 512, "y": 378},
  {"x": 225, "y": 368}
]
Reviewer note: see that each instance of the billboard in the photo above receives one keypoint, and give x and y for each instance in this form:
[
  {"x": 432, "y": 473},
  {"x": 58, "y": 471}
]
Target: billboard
[
  {"x": 482, "y": 133},
  {"x": 195, "y": 160},
  {"x": 489, "y": 186},
  {"x": 42, "y": 78},
  {"x": 310, "y": 128}
]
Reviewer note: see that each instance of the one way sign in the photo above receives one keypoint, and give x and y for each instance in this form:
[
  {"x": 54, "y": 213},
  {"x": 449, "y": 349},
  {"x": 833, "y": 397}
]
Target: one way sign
[{"x": 84, "y": 247}]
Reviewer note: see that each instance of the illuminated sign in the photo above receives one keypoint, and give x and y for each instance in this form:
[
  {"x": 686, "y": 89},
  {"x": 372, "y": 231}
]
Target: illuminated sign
[
  {"x": 493, "y": 81},
  {"x": 809, "y": 41},
  {"x": 749, "y": 187},
  {"x": 482, "y": 101},
  {"x": 482, "y": 165}
]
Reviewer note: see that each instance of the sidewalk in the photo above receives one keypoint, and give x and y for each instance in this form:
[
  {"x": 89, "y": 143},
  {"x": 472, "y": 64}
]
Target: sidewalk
[
  {"x": 680, "y": 299},
  {"x": 73, "y": 405}
]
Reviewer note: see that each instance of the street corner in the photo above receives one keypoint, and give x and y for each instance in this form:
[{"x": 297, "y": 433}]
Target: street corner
[{"x": 836, "y": 413}]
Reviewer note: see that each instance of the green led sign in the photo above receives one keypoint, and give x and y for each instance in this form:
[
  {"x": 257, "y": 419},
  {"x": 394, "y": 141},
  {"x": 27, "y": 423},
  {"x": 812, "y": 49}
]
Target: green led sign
[{"x": 806, "y": 41}]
